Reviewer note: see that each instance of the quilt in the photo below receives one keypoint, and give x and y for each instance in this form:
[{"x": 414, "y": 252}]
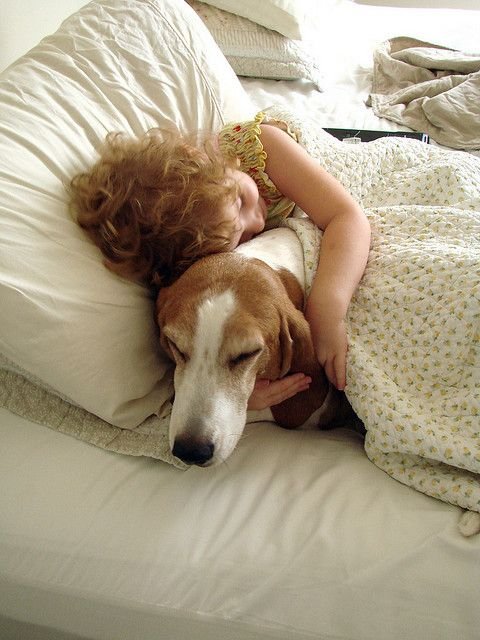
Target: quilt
[{"x": 413, "y": 372}]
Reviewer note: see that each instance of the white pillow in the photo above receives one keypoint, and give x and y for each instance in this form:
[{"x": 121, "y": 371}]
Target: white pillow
[
  {"x": 255, "y": 51},
  {"x": 66, "y": 321},
  {"x": 285, "y": 16}
]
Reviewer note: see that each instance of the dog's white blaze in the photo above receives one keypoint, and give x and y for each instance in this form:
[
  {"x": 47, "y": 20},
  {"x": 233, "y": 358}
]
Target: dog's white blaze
[
  {"x": 212, "y": 316},
  {"x": 198, "y": 386}
]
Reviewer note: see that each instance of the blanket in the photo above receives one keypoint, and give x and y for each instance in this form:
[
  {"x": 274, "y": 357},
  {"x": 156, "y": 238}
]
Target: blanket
[
  {"x": 22, "y": 394},
  {"x": 413, "y": 373},
  {"x": 430, "y": 88}
]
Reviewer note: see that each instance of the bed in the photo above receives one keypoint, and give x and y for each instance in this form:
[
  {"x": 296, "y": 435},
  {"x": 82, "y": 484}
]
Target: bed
[{"x": 103, "y": 535}]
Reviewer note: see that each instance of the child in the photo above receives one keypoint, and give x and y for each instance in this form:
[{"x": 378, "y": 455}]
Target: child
[{"x": 156, "y": 204}]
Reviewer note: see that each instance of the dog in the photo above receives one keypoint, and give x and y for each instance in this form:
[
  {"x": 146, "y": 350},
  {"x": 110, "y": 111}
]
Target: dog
[{"x": 232, "y": 318}]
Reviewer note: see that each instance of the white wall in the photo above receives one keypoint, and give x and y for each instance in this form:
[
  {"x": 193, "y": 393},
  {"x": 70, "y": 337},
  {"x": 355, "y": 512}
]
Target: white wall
[{"x": 23, "y": 23}]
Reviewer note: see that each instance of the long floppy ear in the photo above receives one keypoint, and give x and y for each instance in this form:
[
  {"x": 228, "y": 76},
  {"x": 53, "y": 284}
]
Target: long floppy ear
[
  {"x": 296, "y": 344},
  {"x": 293, "y": 327},
  {"x": 286, "y": 346},
  {"x": 292, "y": 287},
  {"x": 300, "y": 356},
  {"x": 282, "y": 354}
]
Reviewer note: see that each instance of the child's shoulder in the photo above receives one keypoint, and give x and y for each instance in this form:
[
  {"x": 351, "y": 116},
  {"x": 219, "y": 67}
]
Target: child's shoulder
[
  {"x": 236, "y": 132},
  {"x": 243, "y": 139}
]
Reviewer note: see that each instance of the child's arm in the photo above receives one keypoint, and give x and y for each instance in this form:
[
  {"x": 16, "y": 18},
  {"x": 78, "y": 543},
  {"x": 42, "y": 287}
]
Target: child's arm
[{"x": 345, "y": 244}]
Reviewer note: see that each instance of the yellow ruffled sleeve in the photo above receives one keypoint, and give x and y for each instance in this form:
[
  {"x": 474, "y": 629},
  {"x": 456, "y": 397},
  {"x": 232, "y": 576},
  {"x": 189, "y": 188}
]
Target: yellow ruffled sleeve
[{"x": 242, "y": 140}]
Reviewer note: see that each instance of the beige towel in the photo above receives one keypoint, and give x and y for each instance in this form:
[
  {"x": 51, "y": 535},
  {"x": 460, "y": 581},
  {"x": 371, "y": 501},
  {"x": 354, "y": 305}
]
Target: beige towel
[{"x": 430, "y": 88}]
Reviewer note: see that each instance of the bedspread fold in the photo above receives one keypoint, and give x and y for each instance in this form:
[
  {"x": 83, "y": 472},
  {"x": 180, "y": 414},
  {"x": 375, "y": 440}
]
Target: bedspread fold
[{"x": 430, "y": 88}]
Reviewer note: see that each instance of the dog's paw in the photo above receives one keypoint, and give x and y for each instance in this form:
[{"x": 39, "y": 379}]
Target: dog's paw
[{"x": 469, "y": 524}]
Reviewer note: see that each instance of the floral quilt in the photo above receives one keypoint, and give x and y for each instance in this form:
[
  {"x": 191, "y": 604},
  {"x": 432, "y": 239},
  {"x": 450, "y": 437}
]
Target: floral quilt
[{"x": 413, "y": 372}]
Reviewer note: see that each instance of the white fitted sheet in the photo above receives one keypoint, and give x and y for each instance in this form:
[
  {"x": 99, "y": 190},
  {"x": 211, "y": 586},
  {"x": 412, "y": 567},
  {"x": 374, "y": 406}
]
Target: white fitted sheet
[{"x": 297, "y": 536}]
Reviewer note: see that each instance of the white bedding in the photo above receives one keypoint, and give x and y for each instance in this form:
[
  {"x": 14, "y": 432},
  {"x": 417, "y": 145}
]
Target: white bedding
[
  {"x": 298, "y": 536},
  {"x": 345, "y": 43}
]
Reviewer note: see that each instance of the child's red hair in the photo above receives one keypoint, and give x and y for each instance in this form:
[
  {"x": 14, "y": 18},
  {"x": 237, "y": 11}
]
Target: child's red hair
[{"x": 153, "y": 204}]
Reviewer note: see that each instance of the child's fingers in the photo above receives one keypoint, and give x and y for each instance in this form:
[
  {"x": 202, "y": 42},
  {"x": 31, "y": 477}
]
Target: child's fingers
[
  {"x": 286, "y": 388},
  {"x": 267, "y": 393}
]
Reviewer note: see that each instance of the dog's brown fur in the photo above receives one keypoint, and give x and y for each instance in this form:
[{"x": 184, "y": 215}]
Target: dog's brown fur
[{"x": 269, "y": 303}]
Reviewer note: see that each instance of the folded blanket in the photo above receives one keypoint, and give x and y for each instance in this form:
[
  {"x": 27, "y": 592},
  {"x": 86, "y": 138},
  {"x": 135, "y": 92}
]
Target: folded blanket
[
  {"x": 430, "y": 88},
  {"x": 413, "y": 372},
  {"x": 20, "y": 394}
]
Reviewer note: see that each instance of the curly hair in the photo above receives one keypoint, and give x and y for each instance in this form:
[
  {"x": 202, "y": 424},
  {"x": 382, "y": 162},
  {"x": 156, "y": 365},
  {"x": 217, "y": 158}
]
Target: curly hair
[{"x": 153, "y": 204}]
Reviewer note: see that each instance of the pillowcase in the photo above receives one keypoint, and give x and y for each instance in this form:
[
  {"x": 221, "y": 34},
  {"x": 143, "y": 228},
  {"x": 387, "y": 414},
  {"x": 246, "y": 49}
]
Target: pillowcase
[
  {"x": 68, "y": 323},
  {"x": 285, "y": 16},
  {"x": 255, "y": 51}
]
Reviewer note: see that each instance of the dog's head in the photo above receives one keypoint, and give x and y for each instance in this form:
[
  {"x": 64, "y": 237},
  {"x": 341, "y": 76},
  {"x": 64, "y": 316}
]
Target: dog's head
[{"x": 226, "y": 321}]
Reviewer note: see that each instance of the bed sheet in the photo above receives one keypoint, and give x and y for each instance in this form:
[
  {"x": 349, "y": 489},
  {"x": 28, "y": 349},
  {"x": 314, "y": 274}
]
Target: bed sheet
[
  {"x": 343, "y": 40},
  {"x": 299, "y": 536}
]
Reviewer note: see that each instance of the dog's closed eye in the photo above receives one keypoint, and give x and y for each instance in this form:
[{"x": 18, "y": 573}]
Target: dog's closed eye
[
  {"x": 244, "y": 357},
  {"x": 179, "y": 355}
]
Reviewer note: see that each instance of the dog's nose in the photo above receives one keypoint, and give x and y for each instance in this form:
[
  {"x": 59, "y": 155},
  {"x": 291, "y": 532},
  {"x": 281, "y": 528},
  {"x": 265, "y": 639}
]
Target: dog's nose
[{"x": 193, "y": 451}]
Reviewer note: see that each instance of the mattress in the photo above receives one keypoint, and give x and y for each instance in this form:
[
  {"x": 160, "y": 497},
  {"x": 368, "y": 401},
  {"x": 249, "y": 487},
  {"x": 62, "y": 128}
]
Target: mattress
[{"x": 297, "y": 536}]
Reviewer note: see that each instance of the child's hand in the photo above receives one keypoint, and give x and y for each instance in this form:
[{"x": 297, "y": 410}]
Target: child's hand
[
  {"x": 331, "y": 346},
  {"x": 266, "y": 393}
]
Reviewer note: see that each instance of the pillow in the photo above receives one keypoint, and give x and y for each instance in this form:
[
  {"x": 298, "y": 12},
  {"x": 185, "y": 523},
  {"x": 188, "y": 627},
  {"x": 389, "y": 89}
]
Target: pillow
[
  {"x": 285, "y": 16},
  {"x": 67, "y": 323},
  {"x": 255, "y": 51}
]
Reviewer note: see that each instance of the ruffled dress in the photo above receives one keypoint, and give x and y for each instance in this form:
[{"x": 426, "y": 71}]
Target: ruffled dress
[{"x": 242, "y": 140}]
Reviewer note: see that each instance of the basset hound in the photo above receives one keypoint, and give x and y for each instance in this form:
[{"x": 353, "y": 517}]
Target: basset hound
[{"x": 232, "y": 318}]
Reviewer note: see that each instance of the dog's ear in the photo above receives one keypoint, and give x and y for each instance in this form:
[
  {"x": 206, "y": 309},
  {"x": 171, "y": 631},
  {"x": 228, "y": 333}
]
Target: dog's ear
[
  {"x": 294, "y": 330},
  {"x": 292, "y": 287},
  {"x": 286, "y": 345},
  {"x": 296, "y": 344},
  {"x": 299, "y": 356}
]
